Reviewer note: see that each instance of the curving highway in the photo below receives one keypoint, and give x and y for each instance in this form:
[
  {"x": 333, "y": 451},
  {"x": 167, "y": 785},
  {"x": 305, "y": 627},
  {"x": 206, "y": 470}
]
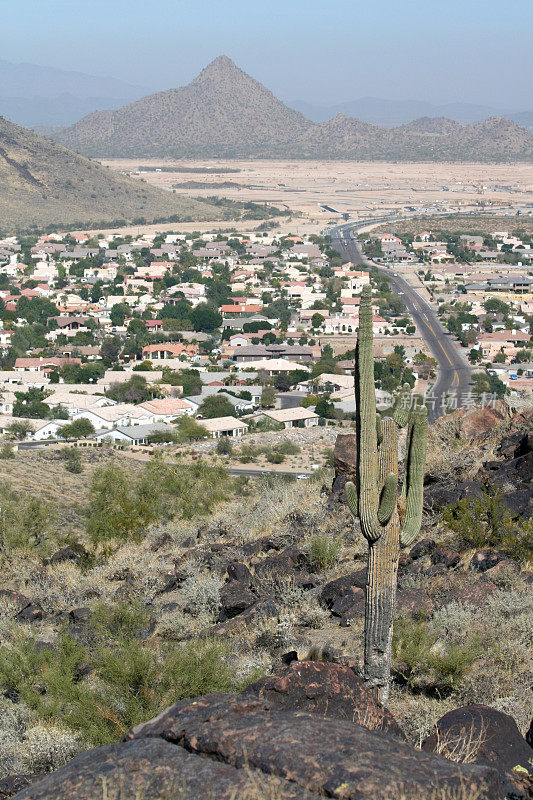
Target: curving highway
[{"x": 454, "y": 372}]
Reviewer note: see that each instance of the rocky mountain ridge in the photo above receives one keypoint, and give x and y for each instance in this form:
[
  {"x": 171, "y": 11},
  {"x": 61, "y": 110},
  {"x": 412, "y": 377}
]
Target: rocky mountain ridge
[{"x": 225, "y": 113}]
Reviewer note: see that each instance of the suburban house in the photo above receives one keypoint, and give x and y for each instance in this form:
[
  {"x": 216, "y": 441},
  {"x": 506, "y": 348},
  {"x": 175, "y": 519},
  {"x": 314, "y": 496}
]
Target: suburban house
[
  {"x": 121, "y": 414},
  {"x": 291, "y": 417},
  {"x": 133, "y": 434},
  {"x": 169, "y": 350},
  {"x": 225, "y": 426},
  {"x": 166, "y": 409}
]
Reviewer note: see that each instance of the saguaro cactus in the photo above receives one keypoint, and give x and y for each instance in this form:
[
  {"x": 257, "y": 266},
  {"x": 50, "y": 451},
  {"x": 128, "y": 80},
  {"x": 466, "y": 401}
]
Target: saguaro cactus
[{"x": 389, "y": 519}]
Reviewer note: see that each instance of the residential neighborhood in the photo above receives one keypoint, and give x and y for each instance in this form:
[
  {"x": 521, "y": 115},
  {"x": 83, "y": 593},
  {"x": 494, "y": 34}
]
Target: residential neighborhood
[{"x": 103, "y": 335}]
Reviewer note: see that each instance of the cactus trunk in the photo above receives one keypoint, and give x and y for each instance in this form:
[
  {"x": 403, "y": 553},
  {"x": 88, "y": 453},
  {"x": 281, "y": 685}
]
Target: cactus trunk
[{"x": 388, "y": 522}]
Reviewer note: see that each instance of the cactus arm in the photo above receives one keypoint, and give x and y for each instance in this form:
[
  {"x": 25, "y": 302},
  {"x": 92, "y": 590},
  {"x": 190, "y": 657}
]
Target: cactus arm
[
  {"x": 388, "y": 498},
  {"x": 351, "y": 497},
  {"x": 400, "y": 413},
  {"x": 367, "y": 440},
  {"x": 379, "y": 434},
  {"x": 415, "y": 478}
]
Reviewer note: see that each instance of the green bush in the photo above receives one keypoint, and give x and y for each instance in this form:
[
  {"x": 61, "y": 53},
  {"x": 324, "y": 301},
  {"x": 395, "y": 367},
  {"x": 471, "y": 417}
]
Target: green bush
[
  {"x": 128, "y": 680},
  {"x": 323, "y": 552},
  {"x": 487, "y": 522},
  {"x": 274, "y": 457},
  {"x": 224, "y": 446},
  {"x": 424, "y": 661},
  {"x": 287, "y": 448},
  {"x": 25, "y": 522},
  {"x": 6, "y": 452}
]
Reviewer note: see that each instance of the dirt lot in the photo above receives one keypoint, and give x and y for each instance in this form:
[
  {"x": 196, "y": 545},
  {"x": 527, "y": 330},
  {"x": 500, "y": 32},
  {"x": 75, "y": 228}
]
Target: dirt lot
[{"x": 357, "y": 188}]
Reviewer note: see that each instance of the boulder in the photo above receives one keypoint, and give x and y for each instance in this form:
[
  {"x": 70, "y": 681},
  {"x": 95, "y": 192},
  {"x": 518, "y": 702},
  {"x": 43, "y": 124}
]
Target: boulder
[
  {"x": 478, "y": 421},
  {"x": 286, "y": 562},
  {"x": 16, "y": 783},
  {"x": 446, "y": 557},
  {"x": 352, "y": 598},
  {"x": 490, "y": 737},
  {"x": 329, "y": 690},
  {"x": 235, "y": 597},
  {"x": 343, "y": 585},
  {"x": 327, "y": 756},
  {"x": 152, "y": 768},
  {"x": 17, "y": 600},
  {"x": 345, "y": 455},
  {"x": 485, "y": 559},
  {"x": 529, "y": 735},
  {"x": 239, "y": 572},
  {"x": 31, "y": 613},
  {"x": 72, "y": 552},
  {"x": 424, "y": 547}
]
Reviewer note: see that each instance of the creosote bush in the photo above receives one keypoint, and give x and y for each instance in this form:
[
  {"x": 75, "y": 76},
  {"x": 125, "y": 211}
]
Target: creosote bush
[
  {"x": 121, "y": 680},
  {"x": 323, "y": 552},
  {"x": 487, "y": 522},
  {"x": 122, "y": 506},
  {"x": 424, "y": 661}
]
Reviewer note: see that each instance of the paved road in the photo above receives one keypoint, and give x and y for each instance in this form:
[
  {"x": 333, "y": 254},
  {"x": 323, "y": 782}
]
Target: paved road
[{"x": 454, "y": 372}]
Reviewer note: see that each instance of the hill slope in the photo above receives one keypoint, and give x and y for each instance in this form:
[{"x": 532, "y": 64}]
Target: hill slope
[
  {"x": 223, "y": 112},
  {"x": 42, "y": 184},
  {"x": 226, "y": 113}
]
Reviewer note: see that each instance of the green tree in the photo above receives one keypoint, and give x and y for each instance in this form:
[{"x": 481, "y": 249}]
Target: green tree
[
  {"x": 19, "y": 430},
  {"x": 31, "y": 404},
  {"x": 118, "y": 314},
  {"x": 205, "y": 318},
  {"x": 78, "y": 429},
  {"x": 317, "y": 320},
  {"x": 216, "y": 406}
]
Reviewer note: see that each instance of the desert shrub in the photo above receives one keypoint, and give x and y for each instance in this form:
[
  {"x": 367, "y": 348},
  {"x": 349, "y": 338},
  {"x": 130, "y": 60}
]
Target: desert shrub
[
  {"x": 323, "y": 552},
  {"x": 275, "y": 457},
  {"x": 127, "y": 680},
  {"x": 487, "y": 522},
  {"x": 287, "y": 447},
  {"x": 72, "y": 460},
  {"x": 6, "y": 452},
  {"x": 224, "y": 446},
  {"x": 422, "y": 660},
  {"x": 201, "y": 592},
  {"x": 119, "y": 506},
  {"x": 26, "y": 522}
]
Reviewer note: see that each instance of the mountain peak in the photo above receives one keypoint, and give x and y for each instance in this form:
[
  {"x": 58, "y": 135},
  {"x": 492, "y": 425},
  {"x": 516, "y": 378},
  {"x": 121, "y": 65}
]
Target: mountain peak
[{"x": 222, "y": 66}]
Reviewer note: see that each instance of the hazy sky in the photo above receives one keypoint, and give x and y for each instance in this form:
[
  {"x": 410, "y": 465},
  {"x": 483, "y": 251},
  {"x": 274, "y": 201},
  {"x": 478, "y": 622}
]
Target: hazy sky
[{"x": 322, "y": 52}]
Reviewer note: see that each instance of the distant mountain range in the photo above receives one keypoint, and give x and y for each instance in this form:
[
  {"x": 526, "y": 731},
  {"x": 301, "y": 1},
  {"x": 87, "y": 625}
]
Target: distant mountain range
[
  {"x": 399, "y": 112},
  {"x": 45, "y": 98},
  {"x": 44, "y": 185},
  {"x": 225, "y": 113},
  {"x": 33, "y": 95}
]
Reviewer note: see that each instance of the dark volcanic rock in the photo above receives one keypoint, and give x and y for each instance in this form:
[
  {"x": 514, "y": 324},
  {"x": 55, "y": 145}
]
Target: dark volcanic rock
[
  {"x": 72, "y": 552},
  {"x": 482, "y": 560},
  {"x": 422, "y": 548},
  {"x": 31, "y": 613},
  {"x": 341, "y": 586},
  {"x": 445, "y": 556},
  {"x": 353, "y": 597},
  {"x": 235, "y": 598},
  {"x": 19, "y": 601},
  {"x": 331, "y": 690},
  {"x": 152, "y": 768},
  {"x": 345, "y": 455},
  {"x": 332, "y": 757},
  {"x": 239, "y": 572},
  {"x": 16, "y": 783},
  {"x": 286, "y": 562},
  {"x": 494, "y": 738}
]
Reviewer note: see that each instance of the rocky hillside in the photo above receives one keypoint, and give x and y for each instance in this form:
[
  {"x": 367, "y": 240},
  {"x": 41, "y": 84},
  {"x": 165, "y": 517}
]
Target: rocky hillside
[
  {"x": 226, "y": 113},
  {"x": 223, "y": 112},
  {"x": 42, "y": 184},
  {"x": 250, "y": 598}
]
